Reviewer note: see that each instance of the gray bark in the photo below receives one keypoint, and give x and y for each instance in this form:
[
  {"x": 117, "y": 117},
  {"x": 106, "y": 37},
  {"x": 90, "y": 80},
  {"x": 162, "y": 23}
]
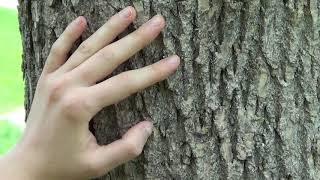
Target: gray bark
[{"x": 244, "y": 104}]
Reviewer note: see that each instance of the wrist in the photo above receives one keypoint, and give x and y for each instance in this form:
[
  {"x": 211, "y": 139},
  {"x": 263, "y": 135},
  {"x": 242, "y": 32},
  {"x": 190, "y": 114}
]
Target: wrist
[{"x": 17, "y": 165}]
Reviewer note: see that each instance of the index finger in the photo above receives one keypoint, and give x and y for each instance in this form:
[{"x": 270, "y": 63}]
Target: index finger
[{"x": 103, "y": 36}]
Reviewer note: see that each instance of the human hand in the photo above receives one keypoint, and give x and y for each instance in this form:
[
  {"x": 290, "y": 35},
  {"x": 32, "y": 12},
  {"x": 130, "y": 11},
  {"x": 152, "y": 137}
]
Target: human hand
[{"x": 57, "y": 143}]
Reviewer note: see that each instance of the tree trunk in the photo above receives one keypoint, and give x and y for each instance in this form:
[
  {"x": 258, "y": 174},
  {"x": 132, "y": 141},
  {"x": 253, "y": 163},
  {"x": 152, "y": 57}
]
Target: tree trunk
[{"x": 244, "y": 104}]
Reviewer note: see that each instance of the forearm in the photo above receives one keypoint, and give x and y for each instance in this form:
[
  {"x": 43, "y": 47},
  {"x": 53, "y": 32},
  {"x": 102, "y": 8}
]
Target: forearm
[
  {"x": 22, "y": 164},
  {"x": 14, "y": 166}
]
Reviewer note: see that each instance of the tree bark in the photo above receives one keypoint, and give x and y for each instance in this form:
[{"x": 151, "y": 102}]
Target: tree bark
[{"x": 244, "y": 104}]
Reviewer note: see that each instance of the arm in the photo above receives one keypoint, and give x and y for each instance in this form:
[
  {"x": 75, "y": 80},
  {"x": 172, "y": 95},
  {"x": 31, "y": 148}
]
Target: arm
[{"x": 57, "y": 143}]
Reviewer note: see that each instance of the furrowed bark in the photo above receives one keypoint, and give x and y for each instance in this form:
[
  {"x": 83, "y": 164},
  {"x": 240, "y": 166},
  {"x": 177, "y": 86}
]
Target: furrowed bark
[{"x": 244, "y": 104}]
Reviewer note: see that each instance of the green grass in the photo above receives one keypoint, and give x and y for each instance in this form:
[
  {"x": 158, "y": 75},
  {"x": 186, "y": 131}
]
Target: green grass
[
  {"x": 9, "y": 135},
  {"x": 11, "y": 83}
]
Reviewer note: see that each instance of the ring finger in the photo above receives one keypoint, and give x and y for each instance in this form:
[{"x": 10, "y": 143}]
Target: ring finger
[{"x": 100, "y": 38}]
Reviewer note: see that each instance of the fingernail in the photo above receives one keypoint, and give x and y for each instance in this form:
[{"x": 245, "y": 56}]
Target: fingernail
[
  {"x": 126, "y": 12},
  {"x": 80, "y": 20},
  {"x": 174, "y": 60},
  {"x": 156, "y": 21},
  {"x": 148, "y": 128}
]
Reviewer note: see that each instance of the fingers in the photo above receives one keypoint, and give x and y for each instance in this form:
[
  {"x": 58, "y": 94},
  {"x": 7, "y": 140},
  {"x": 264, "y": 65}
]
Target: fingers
[
  {"x": 121, "y": 86},
  {"x": 64, "y": 43},
  {"x": 106, "y": 60},
  {"x": 103, "y": 36},
  {"x": 130, "y": 146}
]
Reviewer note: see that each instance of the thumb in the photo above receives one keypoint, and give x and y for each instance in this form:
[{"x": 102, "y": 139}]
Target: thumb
[{"x": 118, "y": 152}]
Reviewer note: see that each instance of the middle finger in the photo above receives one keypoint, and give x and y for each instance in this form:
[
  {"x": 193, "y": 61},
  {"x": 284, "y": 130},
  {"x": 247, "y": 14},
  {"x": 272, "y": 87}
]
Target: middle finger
[
  {"x": 107, "y": 59},
  {"x": 100, "y": 38}
]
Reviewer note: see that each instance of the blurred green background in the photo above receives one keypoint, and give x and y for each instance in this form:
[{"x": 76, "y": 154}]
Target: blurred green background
[
  {"x": 9, "y": 135},
  {"x": 11, "y": 82}
]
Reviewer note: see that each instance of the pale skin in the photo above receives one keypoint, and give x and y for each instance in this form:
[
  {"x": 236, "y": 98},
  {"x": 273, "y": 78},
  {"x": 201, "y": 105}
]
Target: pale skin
[{"x": 57, "y": 143}]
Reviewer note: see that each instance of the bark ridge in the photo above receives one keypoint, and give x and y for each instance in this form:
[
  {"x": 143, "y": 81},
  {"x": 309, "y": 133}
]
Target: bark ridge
[{"x": 244, "y": 103}]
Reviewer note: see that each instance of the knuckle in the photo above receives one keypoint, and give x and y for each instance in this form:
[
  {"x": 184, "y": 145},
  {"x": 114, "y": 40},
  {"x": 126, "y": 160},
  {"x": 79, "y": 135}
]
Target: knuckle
[
  {"x": 75, "y": 105},
  {"x": 133, "y": 149},
  {"x": 93, "y": 169},
  {"x": 126, "y": 76},
  {"x": 56, "y": 88},
  {"x": 130, "y": 82},
  {"x": 72, "y": 104},
  {"x": 84, "y": 48},
  {"x": 107, "y": 54}
]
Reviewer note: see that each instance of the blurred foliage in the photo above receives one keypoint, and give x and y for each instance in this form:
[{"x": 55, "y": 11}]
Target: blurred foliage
[
  {"x": 9, "y": 135},
  {"x": 11, "y": 81}
]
